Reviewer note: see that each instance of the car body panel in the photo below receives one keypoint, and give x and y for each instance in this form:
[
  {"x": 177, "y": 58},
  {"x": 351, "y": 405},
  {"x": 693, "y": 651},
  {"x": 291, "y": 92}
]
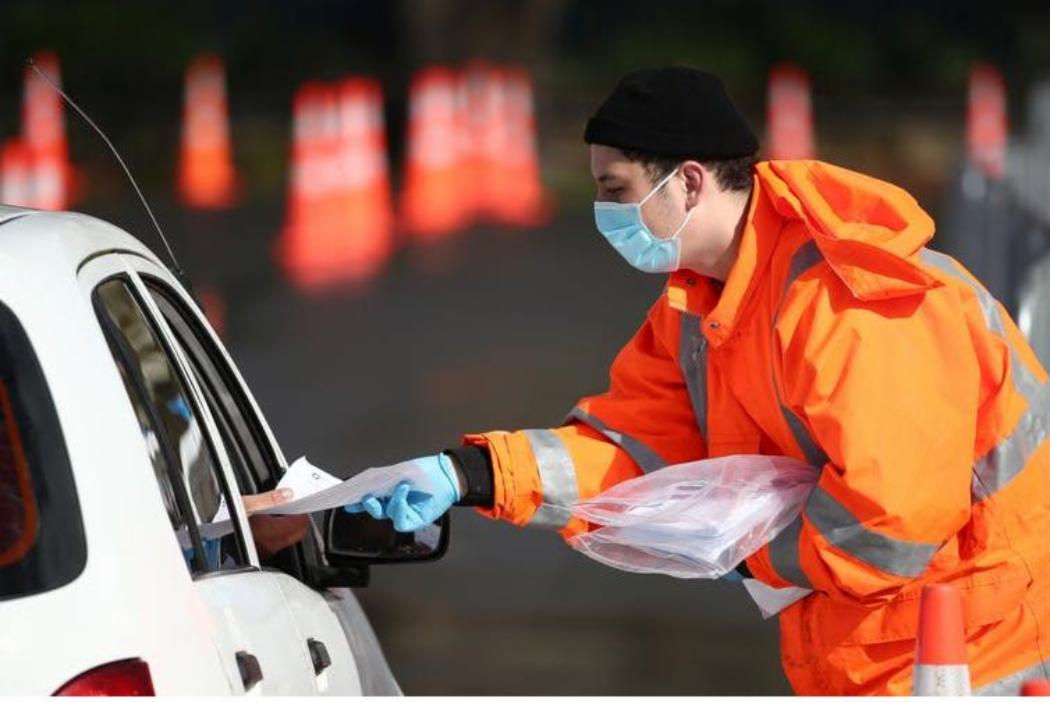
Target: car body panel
[{"x": 147, "y": 606}]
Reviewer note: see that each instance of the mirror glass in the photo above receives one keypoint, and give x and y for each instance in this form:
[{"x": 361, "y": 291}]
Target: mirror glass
[{"x": 353, "y": 539}]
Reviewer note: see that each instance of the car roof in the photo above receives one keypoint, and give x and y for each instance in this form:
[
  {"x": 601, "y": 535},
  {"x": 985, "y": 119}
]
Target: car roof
[{"x": 38, "y": 241}]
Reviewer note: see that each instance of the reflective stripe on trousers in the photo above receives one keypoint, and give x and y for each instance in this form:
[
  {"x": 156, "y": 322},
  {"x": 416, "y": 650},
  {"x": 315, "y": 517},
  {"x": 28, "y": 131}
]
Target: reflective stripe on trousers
[{"x": 557, "y": 476}]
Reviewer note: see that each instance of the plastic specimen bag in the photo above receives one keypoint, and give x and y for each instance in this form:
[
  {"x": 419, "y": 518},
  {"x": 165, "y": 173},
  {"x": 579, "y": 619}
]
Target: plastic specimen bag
[{"x": 694, "y": 520}]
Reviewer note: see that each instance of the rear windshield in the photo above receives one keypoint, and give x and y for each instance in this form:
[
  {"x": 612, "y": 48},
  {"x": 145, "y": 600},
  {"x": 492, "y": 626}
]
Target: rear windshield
[{"x": 41, "y": 533}]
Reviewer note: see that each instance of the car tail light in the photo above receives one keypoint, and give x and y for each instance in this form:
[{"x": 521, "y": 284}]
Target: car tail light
[{"x": 127, "y": 678}]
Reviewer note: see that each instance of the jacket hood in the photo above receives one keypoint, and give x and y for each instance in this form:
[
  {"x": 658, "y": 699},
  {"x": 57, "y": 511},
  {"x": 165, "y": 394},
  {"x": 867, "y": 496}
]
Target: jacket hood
[{"x": 868, "y": 230}]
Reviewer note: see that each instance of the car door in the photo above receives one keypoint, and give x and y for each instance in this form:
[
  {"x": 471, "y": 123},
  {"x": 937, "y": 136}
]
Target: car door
[
  {"x": 255, "y": 631},
  {"x": 256, "y": 460}
]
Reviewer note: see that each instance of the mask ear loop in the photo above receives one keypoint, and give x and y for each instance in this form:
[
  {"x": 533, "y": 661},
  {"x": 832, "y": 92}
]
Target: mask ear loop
[{"x": 659, "y": 185}]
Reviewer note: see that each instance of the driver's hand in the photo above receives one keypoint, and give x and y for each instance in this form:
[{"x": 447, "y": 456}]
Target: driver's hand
[{"x": 274, "y": 532}]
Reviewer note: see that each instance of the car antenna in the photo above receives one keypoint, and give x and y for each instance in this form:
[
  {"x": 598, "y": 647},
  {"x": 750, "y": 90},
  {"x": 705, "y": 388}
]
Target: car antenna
[{"x": 177, "y": 269}]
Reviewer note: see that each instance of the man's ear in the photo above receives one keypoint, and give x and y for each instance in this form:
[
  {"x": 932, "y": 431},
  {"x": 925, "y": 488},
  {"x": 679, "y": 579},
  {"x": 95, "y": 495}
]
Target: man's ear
[{"x": 695, "y": 182}]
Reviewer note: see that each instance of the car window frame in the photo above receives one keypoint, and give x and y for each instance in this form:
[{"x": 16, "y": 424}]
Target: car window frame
[
  {"x": 244, "y": 422},
  {"x": 91, "y": 273},
  {"x": 310, "y": 549},
  {"x": 127, "y": 360},
  {"x": 184, "y": 367}
]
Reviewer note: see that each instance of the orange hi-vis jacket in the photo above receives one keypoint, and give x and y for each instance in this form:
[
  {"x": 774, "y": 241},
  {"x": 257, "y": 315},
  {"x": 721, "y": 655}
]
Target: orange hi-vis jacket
[{"x": 840, "y": 339}]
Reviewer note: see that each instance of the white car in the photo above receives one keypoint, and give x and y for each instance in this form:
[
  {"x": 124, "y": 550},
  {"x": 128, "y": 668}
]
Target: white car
[{"x": 123, "y": 426}]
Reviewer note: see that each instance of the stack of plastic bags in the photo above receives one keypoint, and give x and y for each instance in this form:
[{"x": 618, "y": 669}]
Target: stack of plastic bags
[{"x": 694, "y": 520}]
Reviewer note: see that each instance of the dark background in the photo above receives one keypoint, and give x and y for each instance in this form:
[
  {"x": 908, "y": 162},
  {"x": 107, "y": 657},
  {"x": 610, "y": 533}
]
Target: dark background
[{"x": 496, "y": 328}]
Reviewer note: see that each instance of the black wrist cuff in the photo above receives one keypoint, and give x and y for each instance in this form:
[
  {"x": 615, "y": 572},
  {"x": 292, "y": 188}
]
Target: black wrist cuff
[{"x": 475, "y": 466}]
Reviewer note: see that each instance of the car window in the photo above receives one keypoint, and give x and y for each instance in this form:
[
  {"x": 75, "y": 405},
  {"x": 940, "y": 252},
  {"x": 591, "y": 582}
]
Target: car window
[
  {"x": 184, "y": 464},
  {"x": 254, "y": 462},
  {"x": 253, "y": 459},
  {"x": 42, "y": 544}
]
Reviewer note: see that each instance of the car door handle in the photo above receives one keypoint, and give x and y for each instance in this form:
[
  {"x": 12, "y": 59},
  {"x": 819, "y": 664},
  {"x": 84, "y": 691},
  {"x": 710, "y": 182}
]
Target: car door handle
[
  {"x": 319, "y": 655},
  {"x": 251, "y": 671}
]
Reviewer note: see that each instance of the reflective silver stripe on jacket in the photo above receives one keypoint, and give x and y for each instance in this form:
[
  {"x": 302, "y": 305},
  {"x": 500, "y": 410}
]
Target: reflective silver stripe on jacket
[
  {"x": 826, "y": 514},
  {"x": 1011, "y": 684},
  {"x": 890, "y": 555},
  {"x": 999, "y": 466},
  {"x": 647, "y": 459},
  {"x": 807, "y": 256},
  {"x": 558, "y": 477},
  {"x": 692, "y": 360},
  {"x": 783, "y": 554}
]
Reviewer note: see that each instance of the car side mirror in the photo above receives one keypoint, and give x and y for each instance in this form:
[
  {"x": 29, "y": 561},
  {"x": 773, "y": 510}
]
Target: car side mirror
[{"x": 359, "y": 540}]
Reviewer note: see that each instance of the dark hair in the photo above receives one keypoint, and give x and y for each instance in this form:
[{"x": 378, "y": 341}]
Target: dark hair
[{"x": 733, "y": 174}]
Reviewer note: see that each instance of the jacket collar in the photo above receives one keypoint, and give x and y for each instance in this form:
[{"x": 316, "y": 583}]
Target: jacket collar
[{"x": 719, "y": 305}]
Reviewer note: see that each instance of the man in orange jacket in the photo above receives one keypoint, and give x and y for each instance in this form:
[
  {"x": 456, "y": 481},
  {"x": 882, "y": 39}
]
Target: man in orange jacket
[{"x": 803, "y": 316}]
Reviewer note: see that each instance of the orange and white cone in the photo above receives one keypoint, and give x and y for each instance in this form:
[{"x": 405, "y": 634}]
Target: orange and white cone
[
  {"x": 941, "y": 668},
  {"x": 311, "y": 232},
  {"x": 522, "y": 201},
  {"x": 44, "y": 133},
  {"x": 483, "y": 136},
  {"x": 366, "y": 216},
  {"x": 986, "y": 124},
  {"x": 1036, "y": 688},
  {"x": 206, "y": 177},
  {"x": 790, "y": 115},
  {"x": 435, "y": 200},
  {"x": 16, "y": 174}
]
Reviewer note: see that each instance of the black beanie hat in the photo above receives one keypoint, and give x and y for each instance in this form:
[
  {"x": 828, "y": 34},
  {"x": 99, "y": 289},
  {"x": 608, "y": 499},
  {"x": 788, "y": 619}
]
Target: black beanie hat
[{"x": 672, "y": 112}]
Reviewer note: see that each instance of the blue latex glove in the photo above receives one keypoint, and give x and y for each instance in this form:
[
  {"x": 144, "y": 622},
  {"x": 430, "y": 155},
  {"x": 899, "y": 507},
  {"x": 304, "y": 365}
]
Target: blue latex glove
[{"x": 430, "y": 488}]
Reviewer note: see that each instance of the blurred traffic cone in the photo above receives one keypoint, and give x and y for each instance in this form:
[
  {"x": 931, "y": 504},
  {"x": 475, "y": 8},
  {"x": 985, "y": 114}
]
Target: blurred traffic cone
[
  {"x": 521, "y": 201},
  {"x": 44, "y": 132},
  {"x": 482, "y": 136},
  {"x": 940, "y": 658},
  {"x": 986, "y": 125},
  {"x": 790, "y": 114},
  {"x": 16, "y": 174},
  {"x": 366, "y": 214},
  {"x": 1036, "y": 688},
  {"x": 434, "y": 202},
  {"x": 311, "y": 222},
  {"x": 206, "y": 175}
]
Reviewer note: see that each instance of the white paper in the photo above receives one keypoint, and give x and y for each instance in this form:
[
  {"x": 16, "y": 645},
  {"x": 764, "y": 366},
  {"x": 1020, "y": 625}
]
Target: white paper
[
  {"x": 771, "y": 600},
  {"x": 310, "y": 486}
]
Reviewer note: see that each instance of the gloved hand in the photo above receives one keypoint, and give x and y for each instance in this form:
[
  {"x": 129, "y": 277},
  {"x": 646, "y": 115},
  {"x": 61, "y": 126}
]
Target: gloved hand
[{"x": 426, "y": 489}]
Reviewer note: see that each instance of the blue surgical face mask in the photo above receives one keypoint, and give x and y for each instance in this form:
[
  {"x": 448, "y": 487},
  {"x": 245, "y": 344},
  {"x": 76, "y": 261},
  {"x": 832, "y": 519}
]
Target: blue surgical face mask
[{"x": 622, "y": 225}]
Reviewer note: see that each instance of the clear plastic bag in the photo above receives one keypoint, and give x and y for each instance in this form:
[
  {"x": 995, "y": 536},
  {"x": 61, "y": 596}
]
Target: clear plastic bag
[{"x": 694, "y": 520}]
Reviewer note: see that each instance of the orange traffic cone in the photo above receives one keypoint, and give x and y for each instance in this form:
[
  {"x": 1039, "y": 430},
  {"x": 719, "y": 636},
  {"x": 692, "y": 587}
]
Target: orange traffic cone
[
  {"x": 206, "y": 175},
  {"x": 481, "y": 134},
  {"x": 44, "y": 132},
  {"x": 790, "y": 114},
  {"x": 310, "y": 232},
  {"x": 516, "y": 196},
  {"x": 940, "y": 658},
  {"x": 434, "y": 202},
  {"x": 1036, "y": 688},
  {"x": 339, "y": 225},
  {"x": 366, "y": 215},
  {"x": 986, "y": 126},
  {"x": 16, "y": 174}
]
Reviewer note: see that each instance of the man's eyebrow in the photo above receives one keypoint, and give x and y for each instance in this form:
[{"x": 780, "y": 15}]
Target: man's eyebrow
[{"x": 605, "y": 177}]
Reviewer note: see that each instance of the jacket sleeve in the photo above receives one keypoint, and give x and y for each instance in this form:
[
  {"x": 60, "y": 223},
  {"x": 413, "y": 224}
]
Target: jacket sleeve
[
  {"x": 644, "y": 421},
  {"x": 883, "y": 398}
]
